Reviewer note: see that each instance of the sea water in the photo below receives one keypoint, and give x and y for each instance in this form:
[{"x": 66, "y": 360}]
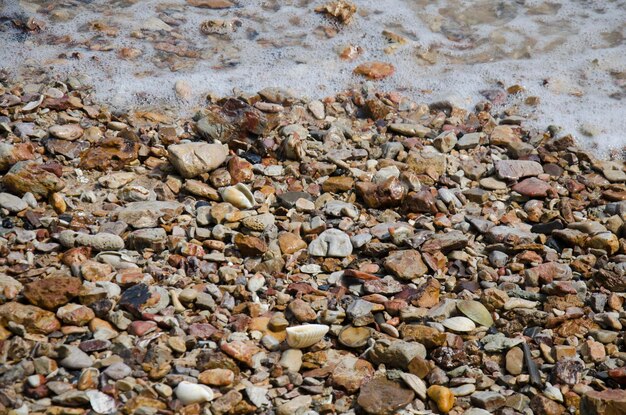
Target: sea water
[{"x": 569, "y": 54}]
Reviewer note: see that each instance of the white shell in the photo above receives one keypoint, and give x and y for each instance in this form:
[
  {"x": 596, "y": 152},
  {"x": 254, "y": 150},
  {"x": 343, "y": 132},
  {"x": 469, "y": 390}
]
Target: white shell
[
  {"x": 238, "y": 195},
  {"x": 189, "y": 393},
  {"x": 415, "y": 383},
  {"x": 460, "y": 324},
  {"x": 553, "y": 393},
  {"x": 301, "y": 337}
]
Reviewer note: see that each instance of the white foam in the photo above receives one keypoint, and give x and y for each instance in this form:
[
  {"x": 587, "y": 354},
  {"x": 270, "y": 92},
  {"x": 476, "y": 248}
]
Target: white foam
[{"x": 576, "y": 46}]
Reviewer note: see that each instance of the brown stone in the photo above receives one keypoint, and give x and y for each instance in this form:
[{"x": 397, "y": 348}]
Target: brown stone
[
  {"x": 112, "y": 152},
  {"x": 302, "y": 311},
  {"x": 351, "y": 372},
  {"x": 338, "y": 184},
  {"x": 30, "y": 176},
  {"x": 381, "y": 396},
  {"x": 532, "y": 187},
  {"x": 542, "y": 405},
  {"x": 406, "y": 265},
  {"x": 389, "y": 193},
  {"x": 250, "y": 245},
  {"x": 430, "y": 337},
  {"x": 420, "y": 202},
  {"x": 34, "y": 319},
  {"x": 427, "y": 294},
  {"x": 52, "y": 292},
  {"x": 375, "y": 70},
  {"x": 13, "y": 153},
  {"x": 290, "y": 243},
  {"x": 211, "y": 4},
  {"x": 217, "y": 377}
]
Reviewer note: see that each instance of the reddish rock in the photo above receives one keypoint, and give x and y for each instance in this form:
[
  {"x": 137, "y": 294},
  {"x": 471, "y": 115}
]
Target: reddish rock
[
  {"x": 112, "y": 152},
  {"x": 427, "y": 294},
  {"x": 350, "y": 373},
  {"x": 201, "y": 330},
  {"x": 302, "y": 311},
  {"x": 217, "y": 377},
  {"x": 420, "y": 202},
  {"x": 50, "y": 293},
  {"x": 34, "y": 319},
  {"x": 13, "y": 153},
  {"x": 250, "y": 245},
  {"x": 375, "y": 70},
  {"x": 241, "y": 351},
  {"x": 381, "y": 396},
  {"x": 30, "y": 176},
  {"x": 389, "y": 193},
  {"x": 290, "y": 243},
  {"x": 406, "y": 264},
  {"x": 542, "y": 405},
  {"x": 532, "y": 187},
  {"x": 140, "y": 328},
  {"x": 240, "y": 170}
]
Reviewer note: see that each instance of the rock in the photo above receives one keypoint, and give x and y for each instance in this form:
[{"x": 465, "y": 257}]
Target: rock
[
  {"x": 29, "y": 176},
  {"x": 34, "y": 319},
  {"x": 331, "y": 243},
  {"x": 406, "y": 265},
  {"x": 380, "y": 396},
  {"x": 52, "y": 292},
  {"x": 605, "y": 402},
  {"x": 445, "y": 141},
  {"x": 427, "y": 162},
  {"x": 409, "y": 130},
  {"x": 112, "y": 153},
  {"x": 217, "y": 377},
  {"x": 75, "y": 314},
  {"x": 430, "y": 337},
  {"x": 516, "y": 169},
  {"x": 193, "y": 159},
  {"x": 350, "y": 373},
  {"x": 73, "y": 358},
  {"x": 99, "y": 241},
  {"x": 211, "y": 4},
  {"x": 296, "y": 406},
  {"x": 148, "y": 214},
  {"x": 302, "y": 311},
  {"x": 12, "y": 203},
  {"x": 388, "y": 193},
  {"x": 13, "y": 153},
  {"x": 337, "y": 184},
  {"x": 250, "y": 245},
  {"x": 443, "y": 398},
  {"x": 375, "y": 70},
  {"x": 290, "y": 243},
  {"x": 542, "y": 405},
  {"x": 509, "y": 236},
  {"x": 68, "y": 132},
  {"x": 396, "y": 354},
  {"x": 532, "y": 187},
  {"x": 488, "y": 400},
  {"x": 515, "y": 361}
]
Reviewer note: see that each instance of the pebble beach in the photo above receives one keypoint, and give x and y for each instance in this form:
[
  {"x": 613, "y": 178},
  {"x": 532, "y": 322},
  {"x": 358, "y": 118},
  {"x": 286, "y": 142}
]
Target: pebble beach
[{"x": 363, "y": 250}]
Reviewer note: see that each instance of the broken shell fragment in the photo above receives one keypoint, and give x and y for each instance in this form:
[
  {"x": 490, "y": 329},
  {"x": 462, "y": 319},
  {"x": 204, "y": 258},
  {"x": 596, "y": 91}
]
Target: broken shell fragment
[
  {"x": 476, "y": 312},
  {"x": 301, "y": 337},
  {"x": 238, "y": 195},
  {"x": 460, "y": 324},
  {"x": 189, "y": 393}
]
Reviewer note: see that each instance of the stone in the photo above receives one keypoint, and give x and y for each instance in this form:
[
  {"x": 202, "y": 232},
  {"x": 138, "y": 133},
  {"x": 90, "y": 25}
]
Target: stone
[
  {"x": 290, "y": 243},
  {"x": 409, "y": 130},
  {"x": 217, "y": 377},
  {"x": 381, "y": 396},
  {"x": 12, "y": 203},
  {"x": 406, "y": 265},
  {"x": 68, "y": 132},
  {"x": 517, "y": 169},
  {"x": 375, "y": 70},
  {"x": 388, "y": 193},
  {"x": 52, "y": 292},
  {"x": 338, "y": 184},
  {"x": 396, "y": 354},
  {"x": 148, "y": 214},
  {"x": 430, "y": 337},
  {"x": 10, "y": 154},
  {"x": 604, "y": 402},
  {"x": 75, "y": 314},
  {"x": 488, "y": 400},
  {"x": 442, "y": 396},
  {"x": 296, "y": 406},
  {"x": 99, "y": 242},
  {"x": 350, "y": 373},
  {"x": 302, "y": 311},
  {"x": 73, "y": 358},
  {"x": 250, "y": 245},
  {"x": 112, "y": 153},
  {"x": 34, "y": 319},
  {"x": 542, "y": 405},
  {"x": 515, "y": 361},
  {"x": 331, "y": 243},
  {"x": 30, "y": 176},
  {"x": 532, "y": 187},
  {"x": 193, "y": 159}
]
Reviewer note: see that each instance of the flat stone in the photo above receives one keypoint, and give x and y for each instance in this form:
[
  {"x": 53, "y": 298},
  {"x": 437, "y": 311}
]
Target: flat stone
[
  {"x": 331, "y": 243},
  {"x": 193, "y": 159},
  {"x": 12, "y": 203},
  {"x": 52, "y": 292},
  {"x": 516, "y": 169},
  {"x": 406, "y": 265},
  {"x": 381, "y": 396},
  {"x": 34, "y": 319},
  {"x": 147, "y": 214},
  {"x": 532, "y": 187}
]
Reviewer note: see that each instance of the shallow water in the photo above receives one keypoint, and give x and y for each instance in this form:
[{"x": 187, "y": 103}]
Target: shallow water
[{"x": 570, "y": 54}]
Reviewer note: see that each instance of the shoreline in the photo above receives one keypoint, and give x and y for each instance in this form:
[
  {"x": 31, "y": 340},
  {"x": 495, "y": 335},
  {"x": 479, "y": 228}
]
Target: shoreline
[{"x": 357, "y": 254}]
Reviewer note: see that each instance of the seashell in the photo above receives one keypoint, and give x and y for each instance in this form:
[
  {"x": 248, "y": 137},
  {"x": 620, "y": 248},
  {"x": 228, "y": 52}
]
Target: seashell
[
  {"x": 460, "y": 324},
  {"x": 355, "y": 337},
  {"x": 553, "y": 393},
  {"x": 301, "y": 337},
  {"x": 189, "y": 393},
  {"x": 415, "y": 383},
  {"x": 238, "y": 195},
  {"x": 476, "y": 312}
]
